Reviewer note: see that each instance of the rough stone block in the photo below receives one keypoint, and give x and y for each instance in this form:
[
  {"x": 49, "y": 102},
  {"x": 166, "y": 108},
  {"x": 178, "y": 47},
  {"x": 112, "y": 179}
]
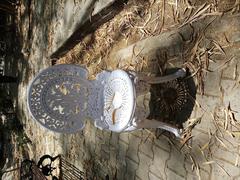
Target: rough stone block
[
  {"x": 124, "y": 137},
  {"x": 147, "y": 148},
  {"x": 225, "y": 155},
  {"x": 105, "y": 156},
  {"x": 154, "y": 177},
  {"x": 211, "y": 83},
  {"x": 122, "y": 151},
  {"x": 206, "y": 124},
  {"x": 224, "y": 171},
  {"x": 159, "y": 162},
  {"x": 229, "y": 86},
  {"x": 134, "y": 143},
  {"x": 229, "y": 70},
  {"x": 173, "y": 175},
  {"x": 193, "y": 176},
  {"x": 162, "y": 143},
  {"x": 113, "y": 157},
  {"x": 132, "y": 166},
  {"x": 207, "y": 103},
  {"x": 176, "y": 162},
  {"x": 143, "y": 168},
  {"x": 114, "y": 139}
]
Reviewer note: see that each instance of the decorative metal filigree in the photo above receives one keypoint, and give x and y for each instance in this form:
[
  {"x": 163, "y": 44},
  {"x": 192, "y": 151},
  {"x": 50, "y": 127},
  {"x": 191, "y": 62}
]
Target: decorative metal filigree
[
  {"x": 58, "y": 96},
  {"x": 46, "y": 165}
]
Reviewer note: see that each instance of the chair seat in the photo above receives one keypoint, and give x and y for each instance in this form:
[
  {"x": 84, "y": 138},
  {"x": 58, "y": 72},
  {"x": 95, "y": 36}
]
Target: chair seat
[{"x": 119, "y": 100}]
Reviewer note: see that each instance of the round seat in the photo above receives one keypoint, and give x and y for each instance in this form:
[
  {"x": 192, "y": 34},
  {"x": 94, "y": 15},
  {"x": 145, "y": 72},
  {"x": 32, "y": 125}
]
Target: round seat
[{"x": 119, "y": 100}]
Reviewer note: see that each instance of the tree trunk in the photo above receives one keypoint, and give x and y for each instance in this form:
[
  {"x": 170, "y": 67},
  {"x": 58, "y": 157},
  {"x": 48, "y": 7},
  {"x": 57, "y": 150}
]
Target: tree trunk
[
  {"x": 7, "y": 7},
  {"x": 7, "y": 28},
  {"x": 8, "y": 79}
]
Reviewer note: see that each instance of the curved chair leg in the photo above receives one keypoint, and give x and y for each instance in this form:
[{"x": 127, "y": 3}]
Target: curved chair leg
[
  {"x": 156, "y": 80},
  {"x": 158, "y": 124}
]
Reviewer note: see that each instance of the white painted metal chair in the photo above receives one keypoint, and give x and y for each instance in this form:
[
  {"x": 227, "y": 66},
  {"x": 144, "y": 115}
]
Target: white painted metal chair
[{"x": 61, "y": 99}]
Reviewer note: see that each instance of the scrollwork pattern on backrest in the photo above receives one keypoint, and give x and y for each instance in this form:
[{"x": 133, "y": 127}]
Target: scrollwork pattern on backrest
[{"x": 58, "y": 98}]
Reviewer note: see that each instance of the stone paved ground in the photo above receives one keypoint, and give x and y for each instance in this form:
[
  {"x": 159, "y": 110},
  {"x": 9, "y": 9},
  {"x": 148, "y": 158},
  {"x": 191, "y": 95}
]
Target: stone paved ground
[{"x": 211, "y": 153}]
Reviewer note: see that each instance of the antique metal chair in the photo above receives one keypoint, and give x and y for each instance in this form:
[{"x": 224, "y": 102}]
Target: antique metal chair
[
  {"x": 49, "y": 167},
  {"x": 61, "y": 98}
]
